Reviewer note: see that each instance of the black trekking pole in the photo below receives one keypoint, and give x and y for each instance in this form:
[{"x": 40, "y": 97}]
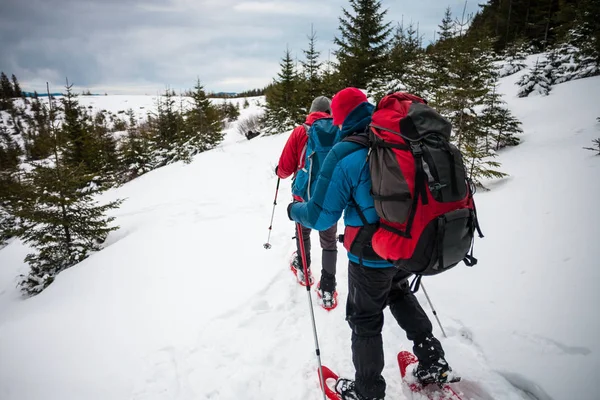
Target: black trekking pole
[
  {"x": 310, "y": 306},
  {"x": 268, "y": 244},
  {"x": 433, "y": 310}
]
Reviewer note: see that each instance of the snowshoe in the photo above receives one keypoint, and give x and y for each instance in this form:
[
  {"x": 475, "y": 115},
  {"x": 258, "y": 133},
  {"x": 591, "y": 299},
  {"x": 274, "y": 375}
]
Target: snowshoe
[
  {"x": 298, "y": 270},
  {"x": 439, "y": 391}
]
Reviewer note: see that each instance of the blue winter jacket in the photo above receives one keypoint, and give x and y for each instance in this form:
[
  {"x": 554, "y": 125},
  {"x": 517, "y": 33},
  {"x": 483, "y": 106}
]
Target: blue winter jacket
[{"x": 343, "y": 182}]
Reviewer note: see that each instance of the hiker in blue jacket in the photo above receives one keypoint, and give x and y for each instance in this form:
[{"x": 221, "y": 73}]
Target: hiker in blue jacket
[{"x": 343, "y": 184}]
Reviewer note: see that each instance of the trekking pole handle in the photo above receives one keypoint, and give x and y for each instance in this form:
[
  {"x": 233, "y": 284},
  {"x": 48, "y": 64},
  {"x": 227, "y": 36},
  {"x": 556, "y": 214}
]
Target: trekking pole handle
[{"x": 276, "y": 191}]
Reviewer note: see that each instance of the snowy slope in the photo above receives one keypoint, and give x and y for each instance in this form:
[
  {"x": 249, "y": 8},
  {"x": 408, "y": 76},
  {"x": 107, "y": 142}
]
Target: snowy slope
[{"x": 184, "y": 302}]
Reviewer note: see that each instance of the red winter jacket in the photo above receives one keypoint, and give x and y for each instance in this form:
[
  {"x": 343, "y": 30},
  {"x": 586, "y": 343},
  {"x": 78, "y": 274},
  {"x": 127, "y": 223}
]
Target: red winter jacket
[{"x": 292, "y": 159}]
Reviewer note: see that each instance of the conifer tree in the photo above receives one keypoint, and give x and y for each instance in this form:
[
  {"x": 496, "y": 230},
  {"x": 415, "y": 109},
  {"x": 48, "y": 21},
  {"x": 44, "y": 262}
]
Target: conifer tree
[
  {"x": 61, "y": 220},
  {"x": 363, "y": 43},
  {"x": 203, "y": 123},
  {"x": 535, "y": 81},
  {"x": 75, "y": 134},
  {"x": 135, "y": 149},
  {"x": 39, "y": 144},
  {"x": 16, "y": 87},
  {"x": 10, "y": 152},
  {"x": 282, "y": 111},
  {"x": 330, "y": 79},
  {"x": 167, "y": 125},
  {"x": 6, "y": 92},
  {"x": 311, "y": 68},
  {"x": 501, "y": 126}
]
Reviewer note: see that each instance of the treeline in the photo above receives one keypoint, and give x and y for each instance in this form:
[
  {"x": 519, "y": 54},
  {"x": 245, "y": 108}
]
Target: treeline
[
  {"x": 540, "y": 23},
  {"x": 56, "y": 155},
  {"x": 457, "y": 73},
  {"x": 247, "y": 93}
]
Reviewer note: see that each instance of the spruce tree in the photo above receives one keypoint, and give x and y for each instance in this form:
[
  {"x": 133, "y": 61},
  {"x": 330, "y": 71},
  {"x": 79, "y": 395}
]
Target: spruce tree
[
  {"x": 447, "y": 29},
  {"x": 363, "y": 43},
  {"x": 501, "y": 126},
  {"x": 61, "y": 220},
  {"x": 10, "y": 153},
  {"x": 16, "y": 87},
  {"x": 136, "y": 149},
  {"x": 167, "y": 125},
  {"x": 40, "y": 143},
  {"x": 6, "y": 92},
  {"x": 311, "y": 68},
  {"x": 472, "y": 76},
  {"x": 75, "y": 134},
  {"x": 330, "y": 79},
  {"x": 283, "y": 111},
  {"x": 535, "y": 81},
  {"x": 203, "y": 123}
]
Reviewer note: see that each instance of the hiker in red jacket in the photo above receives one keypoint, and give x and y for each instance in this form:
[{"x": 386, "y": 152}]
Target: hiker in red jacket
[{"x": 291, "y": 161}]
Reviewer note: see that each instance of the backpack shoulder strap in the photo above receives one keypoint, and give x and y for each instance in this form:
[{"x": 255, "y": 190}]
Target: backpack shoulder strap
[{"x": 359, "y": 138}]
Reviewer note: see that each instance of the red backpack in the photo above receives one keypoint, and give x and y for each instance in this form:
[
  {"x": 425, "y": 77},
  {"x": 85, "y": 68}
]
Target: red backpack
[{"x": 420, "y": 188}]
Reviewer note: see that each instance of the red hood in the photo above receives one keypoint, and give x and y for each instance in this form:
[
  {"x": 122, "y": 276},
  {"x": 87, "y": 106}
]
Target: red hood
[{"x": 312, "y": 117}]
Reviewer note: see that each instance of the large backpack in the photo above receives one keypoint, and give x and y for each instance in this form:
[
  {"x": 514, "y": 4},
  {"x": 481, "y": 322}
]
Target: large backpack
[
  {"x": 420, "y": 188},
  {"x": 322, "y": 136}
]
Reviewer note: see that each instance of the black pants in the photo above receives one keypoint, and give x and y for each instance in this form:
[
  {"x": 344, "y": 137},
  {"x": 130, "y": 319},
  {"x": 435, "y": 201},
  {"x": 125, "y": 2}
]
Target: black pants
[
  {"x": 328, "y": 245},
  {"x": 370, "y": 290}
]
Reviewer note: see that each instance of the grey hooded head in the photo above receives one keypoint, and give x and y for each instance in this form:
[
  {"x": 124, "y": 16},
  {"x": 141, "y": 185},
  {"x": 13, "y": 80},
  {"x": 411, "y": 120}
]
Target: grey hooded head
[{"x": 322, "y": 104}]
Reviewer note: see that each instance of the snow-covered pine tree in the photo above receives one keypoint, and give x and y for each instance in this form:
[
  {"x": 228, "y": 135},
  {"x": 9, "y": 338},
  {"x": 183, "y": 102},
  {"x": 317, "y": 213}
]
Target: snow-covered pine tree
[
  {"x": 282, "y": 110},
  {"x": 61, "y": 220},
  {"x": 166, "y": 125},
  {"x": 514, "y": 59},
  {"x": 76, "y": 136},
  {"x": 105, "y": 144},
  {"x": 407, "y": 66},
  {"x": 363, "y": 43},
  {"x": 39, "y": 142},
  {"x": 10, "y": 152},
  {"x": 535, "y": 81},
  {"x": 472, "y": 75},
  {"x": 203, "y": 127},
  {"x": 441, "y": 56},
  {"x": 136, "y": 149}
]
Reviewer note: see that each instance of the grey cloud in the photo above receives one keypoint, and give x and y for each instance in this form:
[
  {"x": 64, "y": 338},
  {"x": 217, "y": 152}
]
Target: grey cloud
[{"x": 144, "y": 45}]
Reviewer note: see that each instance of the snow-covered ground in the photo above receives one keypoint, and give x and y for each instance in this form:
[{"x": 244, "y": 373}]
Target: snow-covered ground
[{"x": 185, "y": 303}]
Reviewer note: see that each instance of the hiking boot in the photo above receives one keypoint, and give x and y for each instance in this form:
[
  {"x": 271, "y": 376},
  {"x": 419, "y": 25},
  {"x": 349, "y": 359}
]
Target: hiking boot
[
  {"x": 433, "y": 367},
  {"x": 298, "y": 270},
  {"x": 326, "y": 290},
  {"x": 346, "y": 388},
  {"x": 436, "y": 372}
]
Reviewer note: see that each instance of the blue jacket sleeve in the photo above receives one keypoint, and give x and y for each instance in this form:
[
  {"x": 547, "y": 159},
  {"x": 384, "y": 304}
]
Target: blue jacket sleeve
[{"x": 330, "y": 197}]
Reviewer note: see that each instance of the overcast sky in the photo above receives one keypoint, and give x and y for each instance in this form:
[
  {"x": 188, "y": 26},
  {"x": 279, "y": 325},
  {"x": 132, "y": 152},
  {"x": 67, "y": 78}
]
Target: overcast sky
[{"x": 141, "y": 46}]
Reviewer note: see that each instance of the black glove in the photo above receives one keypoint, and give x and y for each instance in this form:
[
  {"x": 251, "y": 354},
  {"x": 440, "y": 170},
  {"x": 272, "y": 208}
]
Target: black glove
[{"x": 289, "y": 209}]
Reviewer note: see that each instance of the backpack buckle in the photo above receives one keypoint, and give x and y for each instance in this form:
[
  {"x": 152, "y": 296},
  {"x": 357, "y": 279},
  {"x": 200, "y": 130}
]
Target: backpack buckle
[{"x": 416, "y": 149}]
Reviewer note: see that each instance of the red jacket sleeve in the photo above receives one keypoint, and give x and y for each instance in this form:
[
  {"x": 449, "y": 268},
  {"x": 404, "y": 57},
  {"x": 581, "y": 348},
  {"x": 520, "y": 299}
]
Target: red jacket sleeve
[{"x": 290, "y": 156}]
